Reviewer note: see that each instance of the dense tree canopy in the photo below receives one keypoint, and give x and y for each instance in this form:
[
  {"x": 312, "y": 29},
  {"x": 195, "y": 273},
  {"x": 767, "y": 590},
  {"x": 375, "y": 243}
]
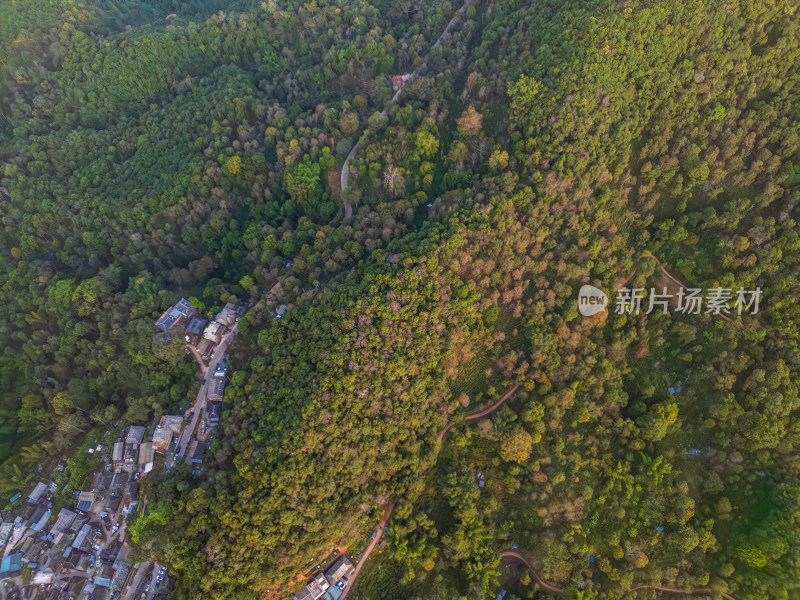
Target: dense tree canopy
[{"x": 540, "y": 147}]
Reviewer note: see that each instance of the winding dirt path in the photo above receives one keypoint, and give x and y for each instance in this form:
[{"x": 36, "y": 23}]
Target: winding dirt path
[
  {"x": 669, "y": 276},
  {"x": 667, "y": 590},
  {"x": 344, "y": 177},
  {"x": 539, "y": 580},
  {"x": 558, "y": 590},
  {"x": 482, "y": 413}
]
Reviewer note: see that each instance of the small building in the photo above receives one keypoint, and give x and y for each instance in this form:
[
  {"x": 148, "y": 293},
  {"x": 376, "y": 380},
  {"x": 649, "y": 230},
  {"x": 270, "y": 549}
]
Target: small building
[
  {"x": 82, "y": 538},
  {"x": 63, "y": 524},
  {"x": 166, "y": 428},
  {"x": 39, "y": 519},
  {"x": 214, "y": 411},
  {"x": 5, "y": 533},
  {"x": 135, "y": 434},
  {"x": 131, "y": 454},
  {"x": 118, "y": 453},
  {"x": 199, "y": 454},
  {"x": 146, "y": 454},
  {"x": 14, "y": 498},
  {"x": 131, "y": 491},
  {"x": 180, "y": 312},
  {"x": 104, "y": 575},
  {"x": 340, "y": 570},
  {"x": 216, "y": 390},
  {"x": 303, "y": 594},
  {"x": 213, "y": 332},
  {"x": 37, "y": 493},
  {"x": 85, "y": 501},
  {"x": 112, "y": 504},
  {"x": 318, "y": 585},
  {"x": 230, "y": 314},
  {"x": 10, "y": 565},
  {"x": 205, "y": 348},
  {"x": 194, "y": 330},
  {"x": 676, "y": 389}
]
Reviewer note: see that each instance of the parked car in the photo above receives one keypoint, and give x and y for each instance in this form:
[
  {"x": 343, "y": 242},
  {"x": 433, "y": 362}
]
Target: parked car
[{"x": 340, "y": 585}]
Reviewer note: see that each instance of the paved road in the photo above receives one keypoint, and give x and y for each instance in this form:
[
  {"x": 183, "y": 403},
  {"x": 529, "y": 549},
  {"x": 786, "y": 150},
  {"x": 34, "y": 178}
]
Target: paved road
[
  {"x": 137, "y": 580},
  {"x": 198, "y": 358},
  {"x": 343, "y": 179},
  {"x": 200, "y": 401}
]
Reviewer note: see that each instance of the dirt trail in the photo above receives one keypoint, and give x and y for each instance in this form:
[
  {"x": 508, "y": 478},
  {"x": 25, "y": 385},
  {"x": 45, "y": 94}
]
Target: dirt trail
[
  {"x": 558, "y": 590},
  {"x": 539, "y": 580},
  {"x": 482, "y": 413},
  {"x": 667, "y": 590},
  {"x": 669, "y": 276}
]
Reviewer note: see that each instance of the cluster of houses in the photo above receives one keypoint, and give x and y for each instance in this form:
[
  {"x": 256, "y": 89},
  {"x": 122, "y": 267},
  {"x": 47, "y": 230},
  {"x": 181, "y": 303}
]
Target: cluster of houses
[
  {"x": 330, "y": 584},
  {"x": 131, "y": 453},
  {"x": 76, "y": 555},
  {"x": 203, "y": 334},
  {"x": 167, "y": 432}
]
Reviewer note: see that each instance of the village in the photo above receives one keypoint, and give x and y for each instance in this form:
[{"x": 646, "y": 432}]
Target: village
[{"x": 79, "y": 552}]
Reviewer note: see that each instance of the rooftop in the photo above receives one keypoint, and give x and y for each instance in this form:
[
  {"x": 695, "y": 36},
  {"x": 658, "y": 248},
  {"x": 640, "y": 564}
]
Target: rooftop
[
  {"x": 216, "y": 389},
  {"x": 214, "y": 410},
  {"x": 146, "y": 453},
  {"x": 37, "y": 492},
  {"x": 196, "y": 325},
  {"x": 181, "y": 310},
  {"x": 11, "y": 564},
  {"x": 135, "y": 435}
]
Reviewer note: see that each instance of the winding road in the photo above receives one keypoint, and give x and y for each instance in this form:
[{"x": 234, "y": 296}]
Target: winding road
[{"x": 345, "y": 174}]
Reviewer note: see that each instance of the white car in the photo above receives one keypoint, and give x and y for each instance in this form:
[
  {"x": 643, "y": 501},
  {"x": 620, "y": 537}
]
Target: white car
[{"x": 340, "y": 585}]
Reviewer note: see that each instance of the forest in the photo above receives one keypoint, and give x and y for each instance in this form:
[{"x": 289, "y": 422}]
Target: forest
[{"x": 542, "y": 146}]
